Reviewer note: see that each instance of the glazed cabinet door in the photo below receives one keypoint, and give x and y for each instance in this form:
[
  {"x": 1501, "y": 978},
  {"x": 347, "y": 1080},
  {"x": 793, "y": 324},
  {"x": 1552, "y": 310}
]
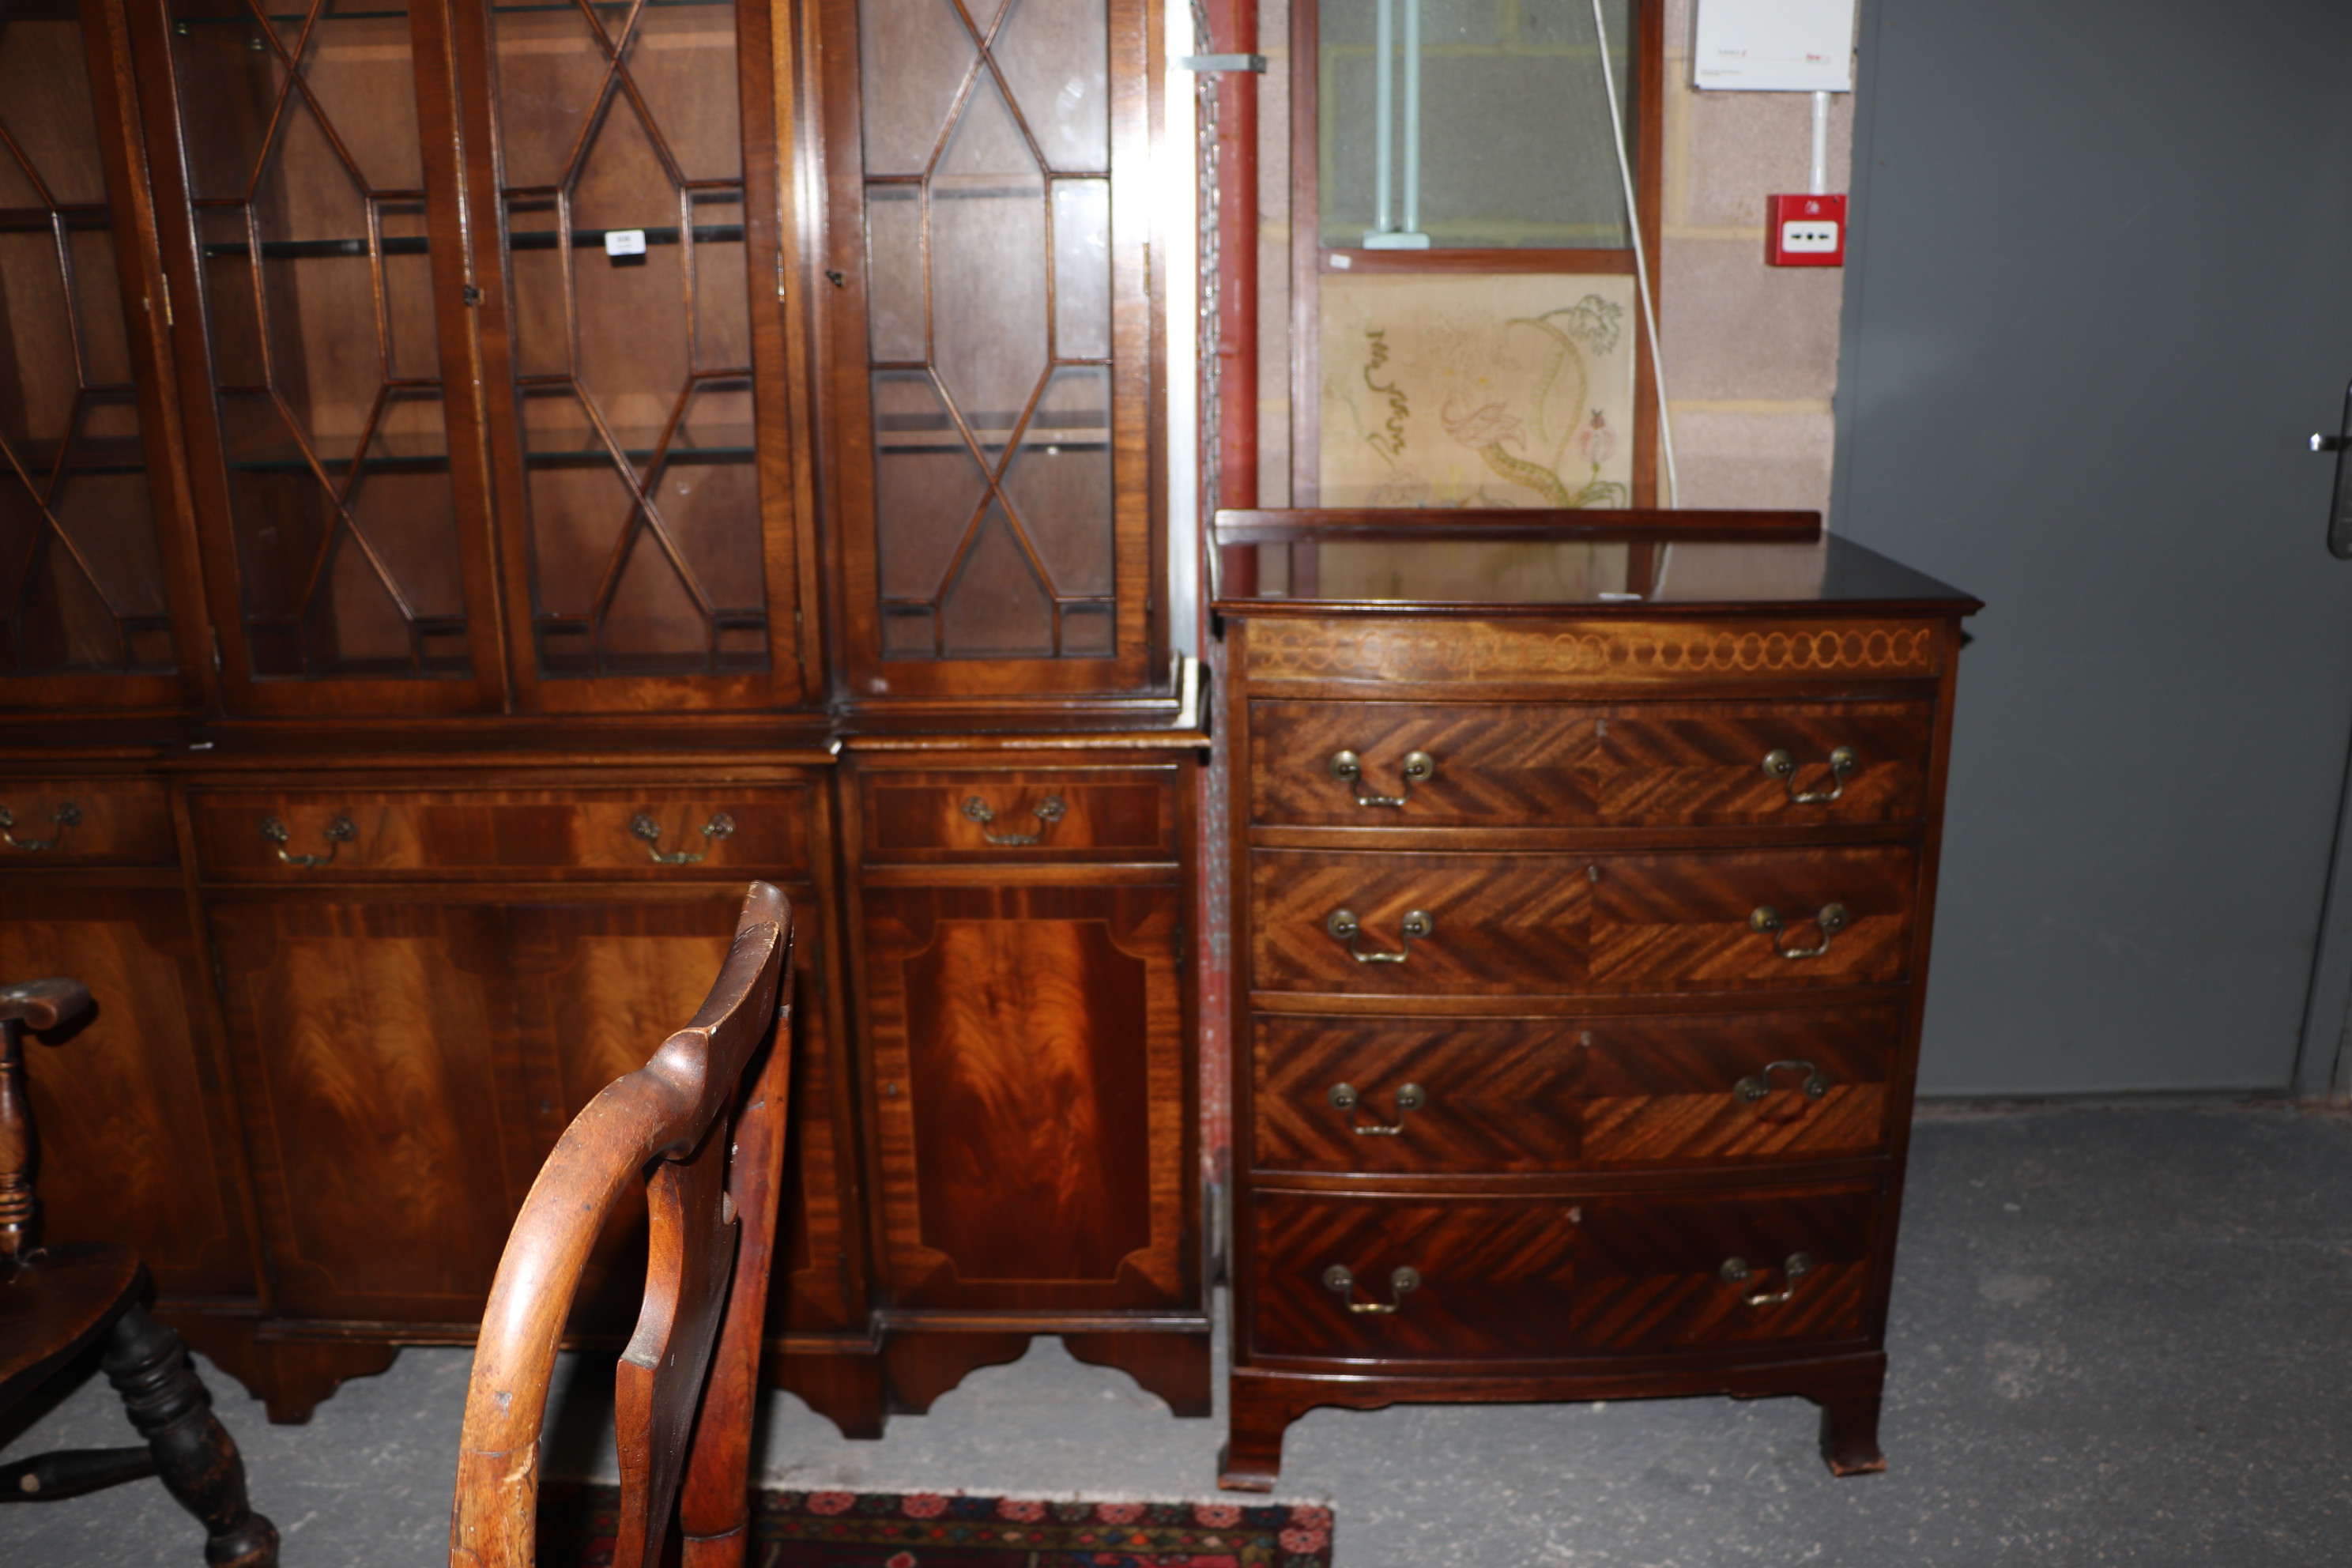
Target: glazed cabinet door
[
  {"x": 98, "y": 600},
  {"x": 634, "y": 327},
  {"x": 988, "y": 335},
  {"x": 315, "y": 248},
  {"x": 1029, "y": 1059}
]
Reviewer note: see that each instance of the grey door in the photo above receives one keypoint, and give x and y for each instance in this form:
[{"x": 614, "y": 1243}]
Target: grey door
[{"x": 2099, "y": 292}]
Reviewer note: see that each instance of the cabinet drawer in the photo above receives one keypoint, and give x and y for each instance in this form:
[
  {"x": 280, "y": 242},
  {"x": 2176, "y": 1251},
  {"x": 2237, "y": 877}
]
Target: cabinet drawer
[
  {"x": 1531, "y": 764},
  {"x": 995, "y": 816},
  {"x": 87, "y": 821},
  {"x": 1500, "y": 1095},
  {"x": 720, "y": 831},
  {"x": 1514, "y": 924},
  {"x": 1510, "y": 1279}
]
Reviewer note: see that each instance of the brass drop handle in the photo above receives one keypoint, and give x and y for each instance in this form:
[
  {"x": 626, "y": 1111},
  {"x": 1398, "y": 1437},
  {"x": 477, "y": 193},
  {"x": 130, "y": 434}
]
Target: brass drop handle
[
  {"x": 1048, "y": 811},
  {"x": 1748, "y": 1091},
  {"x": 1831, "y": 920},
  {"x": 1420, "y": 767},
  {"x": 1344, "y": 927},
  {"x": 1783, "y": 766},
  {"x": 1340, "y": 1280},
  {"x": 644, "y": 825},
  {"x": 1735, "y": 1271},
  {"x": 1409, "y": 1097},
  {"x": 65, "y": 817},
  {"x": 339, "y": 832}
]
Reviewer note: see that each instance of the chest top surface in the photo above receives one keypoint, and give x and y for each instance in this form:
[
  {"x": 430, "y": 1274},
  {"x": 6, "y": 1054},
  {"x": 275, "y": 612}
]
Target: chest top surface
[{"x": 1489, "y": 565}]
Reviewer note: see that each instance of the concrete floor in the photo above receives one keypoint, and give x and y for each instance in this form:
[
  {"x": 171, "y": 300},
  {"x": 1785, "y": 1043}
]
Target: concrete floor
[{"x": 2120, "y": 1335}]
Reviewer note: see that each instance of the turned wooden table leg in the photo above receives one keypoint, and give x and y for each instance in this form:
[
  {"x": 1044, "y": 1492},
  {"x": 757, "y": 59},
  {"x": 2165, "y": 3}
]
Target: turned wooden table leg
[
  {"x": 149, "y": 1367},
  {"x": 1255, "y": 1420}
]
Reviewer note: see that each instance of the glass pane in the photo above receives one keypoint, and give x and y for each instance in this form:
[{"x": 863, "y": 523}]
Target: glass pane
[
  {"x": 626, "y": 243},
  {"x": 81, "y": 576},
  {"x": 1082, "y": 268},
  {"x": 1055, "y": 57},
  {"x": 915, "y": 55},
  {"x": 926, "y": 486},
  {"x": 1513, "y": 145},
  {"x": 996, "y": 606},
  {"x": 308, "y": 175},
  {"x": 987, "y": 265},
  {"x": 45, "y": 89},
  {"x": 894, "y": 274},
  {"x": 1059, "y": 482}
]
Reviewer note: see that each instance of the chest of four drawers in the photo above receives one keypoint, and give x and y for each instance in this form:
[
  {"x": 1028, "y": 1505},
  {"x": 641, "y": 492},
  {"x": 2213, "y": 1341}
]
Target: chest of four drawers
[{"x": 1574, "y": 1011}]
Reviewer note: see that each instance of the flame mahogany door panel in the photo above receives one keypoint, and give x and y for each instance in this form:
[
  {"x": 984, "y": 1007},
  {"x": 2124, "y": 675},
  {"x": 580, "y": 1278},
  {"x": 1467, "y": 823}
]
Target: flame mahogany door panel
[
  {"x": 407, "y": 1062},
  {"x": 137, "y": 1136},
  {"x": 1031, "y": 1099}
]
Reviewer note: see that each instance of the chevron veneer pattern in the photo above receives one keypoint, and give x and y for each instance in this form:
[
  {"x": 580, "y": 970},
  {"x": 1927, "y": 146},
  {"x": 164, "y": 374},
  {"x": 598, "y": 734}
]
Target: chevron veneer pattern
[
  {"x": 1498, "y": 1278},
  {"x": 1507, "y": 1095},
  {"x": 1517, "y": 924},
  {"x": 1607, "y": 1159},
  {"x": 1538, "y": 1277},
  {"x": 1528, "y": 763}
]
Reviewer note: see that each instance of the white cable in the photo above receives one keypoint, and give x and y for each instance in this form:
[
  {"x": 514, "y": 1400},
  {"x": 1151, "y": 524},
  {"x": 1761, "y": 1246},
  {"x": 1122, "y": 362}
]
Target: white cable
[
  {"x": 1385, "y": 114},
  {"x": 1641, "y": 261},
  {"x": 1412, "y": 116}
]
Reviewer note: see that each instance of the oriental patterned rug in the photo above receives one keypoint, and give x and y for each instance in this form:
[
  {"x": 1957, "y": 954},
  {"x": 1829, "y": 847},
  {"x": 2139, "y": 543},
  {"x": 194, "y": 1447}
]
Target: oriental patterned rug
[{"x": 933, "y": 1529}]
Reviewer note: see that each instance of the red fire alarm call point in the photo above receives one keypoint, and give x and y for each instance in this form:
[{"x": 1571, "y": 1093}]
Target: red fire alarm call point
[{"x": 1804, "y": 231}]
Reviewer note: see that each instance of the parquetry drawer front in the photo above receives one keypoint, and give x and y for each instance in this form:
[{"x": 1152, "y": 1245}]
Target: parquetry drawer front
[
  {"x": 1371, "y": 764},
  {"x": 1415, "y": 1279},
  {"x": 1459, "y": 924},
  {"x": 1418, "y": 1096},
  {"x": 85, "y": 822},
  {"x": 294, "y": 835},
  {"x": 1013, "y": 816}
]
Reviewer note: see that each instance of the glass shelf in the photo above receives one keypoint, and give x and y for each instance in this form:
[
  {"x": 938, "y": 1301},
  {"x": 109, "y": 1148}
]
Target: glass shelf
[
  {"x": 417, "y": 245},
  {"x": 296, "y": 18},
  {"x": 730, "y": 443}
]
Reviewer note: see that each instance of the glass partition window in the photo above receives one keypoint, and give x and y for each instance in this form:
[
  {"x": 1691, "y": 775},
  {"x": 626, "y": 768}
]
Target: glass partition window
[
  {"x": 620, "y": 136},
  {"x": 82, "y": 578},
  {"x": 1470, "y": 123},
  {"x": 306, "y": 175}
]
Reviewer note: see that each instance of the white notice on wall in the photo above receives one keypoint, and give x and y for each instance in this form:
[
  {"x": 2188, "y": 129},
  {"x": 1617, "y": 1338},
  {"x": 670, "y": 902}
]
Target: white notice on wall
[{"x": 1774, "y": 46}]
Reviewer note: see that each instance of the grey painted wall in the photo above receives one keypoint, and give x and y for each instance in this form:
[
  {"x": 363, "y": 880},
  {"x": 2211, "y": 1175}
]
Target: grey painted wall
[{"x": 2099, "y": 290}]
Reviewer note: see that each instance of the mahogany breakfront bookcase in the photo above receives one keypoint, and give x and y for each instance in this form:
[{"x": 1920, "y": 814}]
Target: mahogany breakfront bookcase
[{"x": 478, "y": 481}]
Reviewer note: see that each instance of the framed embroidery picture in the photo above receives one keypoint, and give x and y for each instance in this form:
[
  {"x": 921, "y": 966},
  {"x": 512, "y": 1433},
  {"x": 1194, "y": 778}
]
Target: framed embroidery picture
[{"x": 1477, "y": 390}]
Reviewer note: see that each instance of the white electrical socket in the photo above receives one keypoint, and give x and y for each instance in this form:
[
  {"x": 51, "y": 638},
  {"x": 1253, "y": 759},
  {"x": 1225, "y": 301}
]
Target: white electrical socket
[{"x": 1802, "y": 236}]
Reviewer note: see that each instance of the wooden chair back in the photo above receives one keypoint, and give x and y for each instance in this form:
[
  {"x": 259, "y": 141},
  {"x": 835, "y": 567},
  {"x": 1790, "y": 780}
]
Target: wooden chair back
[{"x": 710, "y": 1235}]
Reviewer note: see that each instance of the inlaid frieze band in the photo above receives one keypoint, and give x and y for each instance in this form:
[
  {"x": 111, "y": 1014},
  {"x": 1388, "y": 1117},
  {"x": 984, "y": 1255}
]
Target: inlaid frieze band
[{"x": 1632, "y": 653}]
